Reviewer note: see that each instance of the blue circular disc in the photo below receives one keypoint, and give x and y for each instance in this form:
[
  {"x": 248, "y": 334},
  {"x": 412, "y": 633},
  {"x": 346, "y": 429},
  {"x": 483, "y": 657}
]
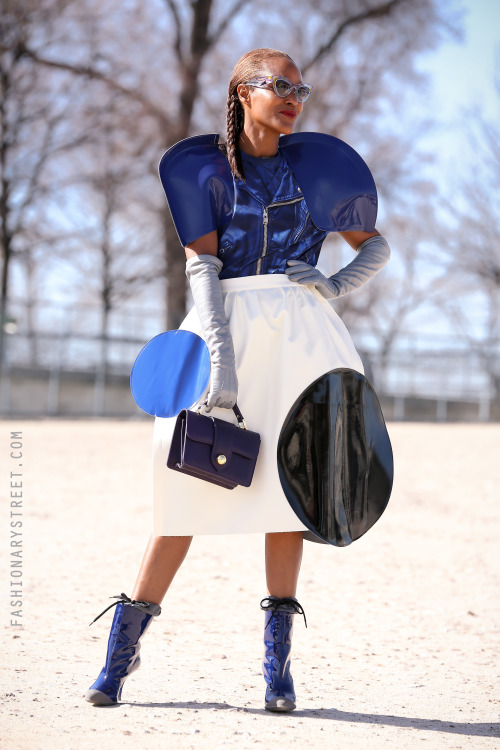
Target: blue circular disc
[{"x": 170, "y": 373}]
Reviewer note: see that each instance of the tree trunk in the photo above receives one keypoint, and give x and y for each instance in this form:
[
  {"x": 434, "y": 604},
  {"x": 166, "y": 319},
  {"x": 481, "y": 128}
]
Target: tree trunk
[
  {"x": 5, "y": 239},
  {"x": 176, "y": 287},
  {"x": 176, "y": 275}
]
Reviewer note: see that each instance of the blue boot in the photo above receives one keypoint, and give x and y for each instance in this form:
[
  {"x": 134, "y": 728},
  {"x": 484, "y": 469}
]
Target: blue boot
[
  {"x": 131, "y": 620},
  {"x": 280, "y": 694}
]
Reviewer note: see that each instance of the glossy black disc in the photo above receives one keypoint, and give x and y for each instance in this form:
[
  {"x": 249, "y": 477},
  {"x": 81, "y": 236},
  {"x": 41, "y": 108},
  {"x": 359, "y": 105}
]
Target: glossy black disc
[{"x": 335, "y": 458}]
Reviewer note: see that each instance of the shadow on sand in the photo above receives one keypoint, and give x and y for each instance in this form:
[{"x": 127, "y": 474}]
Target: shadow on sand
[{"x": 484, "y": 729}]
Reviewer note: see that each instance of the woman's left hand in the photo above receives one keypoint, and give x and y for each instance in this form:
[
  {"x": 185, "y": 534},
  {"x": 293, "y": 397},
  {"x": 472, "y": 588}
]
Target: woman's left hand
[
  {"x": 303, "y": 273},
  {"x": 371, "y": 257}
]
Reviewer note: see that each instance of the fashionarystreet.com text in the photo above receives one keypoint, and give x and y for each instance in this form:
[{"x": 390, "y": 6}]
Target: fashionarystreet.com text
[{"x": 16, "y": 529}]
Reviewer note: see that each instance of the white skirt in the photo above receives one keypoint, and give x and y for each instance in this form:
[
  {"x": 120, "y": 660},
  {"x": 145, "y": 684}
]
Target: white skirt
[{"x": 285, "y": 336}]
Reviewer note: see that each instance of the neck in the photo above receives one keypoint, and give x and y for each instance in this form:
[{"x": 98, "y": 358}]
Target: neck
[{"x": 256, "y": 142}]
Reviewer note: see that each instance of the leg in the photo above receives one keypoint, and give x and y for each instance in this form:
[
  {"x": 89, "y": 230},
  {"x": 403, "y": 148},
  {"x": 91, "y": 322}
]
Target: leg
[
  {"x": 132, "y": 618},
  {"x": 162, "y": 559},
  {"x": 283, "y": 558}
]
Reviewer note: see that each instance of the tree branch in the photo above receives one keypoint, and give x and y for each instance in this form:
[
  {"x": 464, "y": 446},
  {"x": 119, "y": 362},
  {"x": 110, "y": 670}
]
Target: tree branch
[
  {"x": 381, "y": 10},
  {"x": 178, "y": 30},
  {"x": 93, "y": 74},
  {"x": 214, "y": 38}
]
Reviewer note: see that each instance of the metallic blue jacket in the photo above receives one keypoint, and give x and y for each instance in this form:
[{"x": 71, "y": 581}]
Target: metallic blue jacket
[{"x": 262, "y": 236}]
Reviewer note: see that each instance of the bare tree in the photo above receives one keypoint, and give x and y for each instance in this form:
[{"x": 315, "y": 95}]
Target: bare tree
[
  {"x": 384, "y": 308},
  {"x": 190, "y": 43},
  {"x": 360, "y": 54},
  {"x": 33, "y": 114},
  {"x": 116, "y": 260},
  {"x": 471, "y": 251}
]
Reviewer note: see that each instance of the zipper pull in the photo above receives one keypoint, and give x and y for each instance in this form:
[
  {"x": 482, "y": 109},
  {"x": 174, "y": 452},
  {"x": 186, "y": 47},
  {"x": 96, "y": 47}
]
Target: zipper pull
[{"x": 265, "y": 217}]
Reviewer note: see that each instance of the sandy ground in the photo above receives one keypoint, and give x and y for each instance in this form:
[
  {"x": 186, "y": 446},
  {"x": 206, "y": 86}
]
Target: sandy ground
[{"x": 403, "y": 636}]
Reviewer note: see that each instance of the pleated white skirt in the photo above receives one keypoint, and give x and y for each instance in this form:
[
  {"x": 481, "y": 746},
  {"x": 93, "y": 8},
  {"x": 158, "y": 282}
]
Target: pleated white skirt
[{"x": 285, "y": 336}]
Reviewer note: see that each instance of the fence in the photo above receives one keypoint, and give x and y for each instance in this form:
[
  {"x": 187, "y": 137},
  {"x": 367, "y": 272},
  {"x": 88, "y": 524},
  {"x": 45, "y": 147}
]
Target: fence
[{"x": 57, "y": 364}]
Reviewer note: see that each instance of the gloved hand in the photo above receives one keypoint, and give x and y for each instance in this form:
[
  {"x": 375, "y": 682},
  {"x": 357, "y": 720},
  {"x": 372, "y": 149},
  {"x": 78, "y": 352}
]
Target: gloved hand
[
  {"x": 372, "y": 255},
  {"x": 203, "y": 275}
]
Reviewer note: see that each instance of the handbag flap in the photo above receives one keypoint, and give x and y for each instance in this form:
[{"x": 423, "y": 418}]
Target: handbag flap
[
  {"x": 224, "y": 437},
  {"x": 199, "y": 428}
]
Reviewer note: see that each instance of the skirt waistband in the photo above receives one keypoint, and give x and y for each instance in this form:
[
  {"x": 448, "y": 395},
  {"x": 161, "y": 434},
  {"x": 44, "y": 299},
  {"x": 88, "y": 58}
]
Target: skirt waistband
[{"x": 262, "y": 281}]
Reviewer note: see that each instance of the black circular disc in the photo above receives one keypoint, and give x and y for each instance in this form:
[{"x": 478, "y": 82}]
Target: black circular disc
[{"x": 335, "y": 458}]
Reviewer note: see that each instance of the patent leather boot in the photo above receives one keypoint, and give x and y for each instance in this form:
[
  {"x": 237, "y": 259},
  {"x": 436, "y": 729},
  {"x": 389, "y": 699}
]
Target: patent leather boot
[
  {"x": 132, "y": 619},
  {"x": 280, "y": 693}
]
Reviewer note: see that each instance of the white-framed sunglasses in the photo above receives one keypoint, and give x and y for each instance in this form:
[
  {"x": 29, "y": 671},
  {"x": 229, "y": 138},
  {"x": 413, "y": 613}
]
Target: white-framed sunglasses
[{"x": 282, "y": 86}]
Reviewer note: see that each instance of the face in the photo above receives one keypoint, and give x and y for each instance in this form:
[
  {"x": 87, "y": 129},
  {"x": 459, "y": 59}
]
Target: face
[{"x": 265, "y": 109}]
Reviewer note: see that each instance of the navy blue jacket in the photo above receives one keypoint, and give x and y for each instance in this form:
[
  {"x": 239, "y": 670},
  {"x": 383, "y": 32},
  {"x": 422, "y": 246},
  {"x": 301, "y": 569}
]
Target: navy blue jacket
[{"x": 266, "y": 232}]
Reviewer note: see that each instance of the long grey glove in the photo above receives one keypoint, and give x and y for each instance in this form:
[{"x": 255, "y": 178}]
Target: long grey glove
[
  {"x": 372, "y": 255},
  {"x": 203, "y": 275}
]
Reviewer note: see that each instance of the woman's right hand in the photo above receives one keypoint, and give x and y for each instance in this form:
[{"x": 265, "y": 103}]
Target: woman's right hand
[
  {"x": 202, "y": 269},
  {"x": 223, "y": 391}
]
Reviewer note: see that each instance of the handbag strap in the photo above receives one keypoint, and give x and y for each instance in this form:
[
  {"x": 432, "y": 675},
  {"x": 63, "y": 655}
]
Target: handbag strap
[{"x": 239, "y": 416}]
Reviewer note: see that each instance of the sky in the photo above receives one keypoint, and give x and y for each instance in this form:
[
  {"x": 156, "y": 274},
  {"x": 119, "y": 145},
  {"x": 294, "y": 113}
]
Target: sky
[{"x": 462, "y": 76}]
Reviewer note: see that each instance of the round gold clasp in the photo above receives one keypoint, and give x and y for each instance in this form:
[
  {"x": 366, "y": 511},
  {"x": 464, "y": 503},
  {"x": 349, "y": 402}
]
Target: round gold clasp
[{"x": 221, "y": 459}]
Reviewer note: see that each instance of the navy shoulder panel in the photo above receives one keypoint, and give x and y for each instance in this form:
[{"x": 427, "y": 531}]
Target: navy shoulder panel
[
  {"x": 337, "y": 184},
  {"x": 198, "y": 183}
]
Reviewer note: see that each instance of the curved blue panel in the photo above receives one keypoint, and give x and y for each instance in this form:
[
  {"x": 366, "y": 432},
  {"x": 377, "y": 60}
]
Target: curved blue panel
[
  {"x": 198, "y": 183},
  {"x": 170, "y": 373},
  {"x": 337, "y": 184},
  {"x": 335, "y": 458}
]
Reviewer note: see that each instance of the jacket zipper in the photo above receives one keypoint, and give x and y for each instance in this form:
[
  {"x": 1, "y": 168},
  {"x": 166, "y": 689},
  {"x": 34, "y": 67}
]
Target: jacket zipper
[{"x": 265, "y": 222}]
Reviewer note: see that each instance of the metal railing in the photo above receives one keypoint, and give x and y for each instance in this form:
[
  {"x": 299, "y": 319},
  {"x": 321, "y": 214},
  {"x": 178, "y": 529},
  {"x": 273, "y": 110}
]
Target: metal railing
[{"x": 62, "y": 353}]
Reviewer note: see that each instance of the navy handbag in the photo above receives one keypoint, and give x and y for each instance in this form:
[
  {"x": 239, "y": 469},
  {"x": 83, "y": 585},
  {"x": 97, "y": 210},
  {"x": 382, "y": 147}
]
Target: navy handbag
[{"x": 214, "y": 450}]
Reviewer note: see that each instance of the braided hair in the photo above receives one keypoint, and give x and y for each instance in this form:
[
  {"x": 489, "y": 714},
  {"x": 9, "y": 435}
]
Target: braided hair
[{"x": 251, "y": 65}]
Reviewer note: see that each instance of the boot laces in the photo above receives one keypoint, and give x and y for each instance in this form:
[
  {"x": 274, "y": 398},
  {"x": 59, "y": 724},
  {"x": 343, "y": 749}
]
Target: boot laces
[
  {"x": 122, "y": 598},
  {"x": 286, "y": 604}
]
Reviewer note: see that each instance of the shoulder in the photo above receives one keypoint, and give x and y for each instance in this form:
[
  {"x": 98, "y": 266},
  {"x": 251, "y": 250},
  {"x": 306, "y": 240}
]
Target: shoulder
[
  {"x": 198, "y": 184},
  {"x": 337, "y": 184}
]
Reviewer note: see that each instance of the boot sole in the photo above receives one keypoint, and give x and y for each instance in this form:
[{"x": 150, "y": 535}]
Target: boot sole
[
  {"x": 280, "y": 705},
  {"x": 98, "y": 698}
]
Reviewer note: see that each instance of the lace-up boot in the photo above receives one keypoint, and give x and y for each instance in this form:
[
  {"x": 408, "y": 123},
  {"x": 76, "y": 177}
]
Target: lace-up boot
[
  {"x": 132, "y": 619},
  {"x": 280, "y": 693}
]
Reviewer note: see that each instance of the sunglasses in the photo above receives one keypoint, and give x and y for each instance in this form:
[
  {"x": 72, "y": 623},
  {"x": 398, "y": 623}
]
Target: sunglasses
[{"x": 282, "y": 86}]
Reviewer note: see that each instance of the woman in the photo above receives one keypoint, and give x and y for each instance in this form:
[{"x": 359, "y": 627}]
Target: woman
[{"x": 265, "y": 314}]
